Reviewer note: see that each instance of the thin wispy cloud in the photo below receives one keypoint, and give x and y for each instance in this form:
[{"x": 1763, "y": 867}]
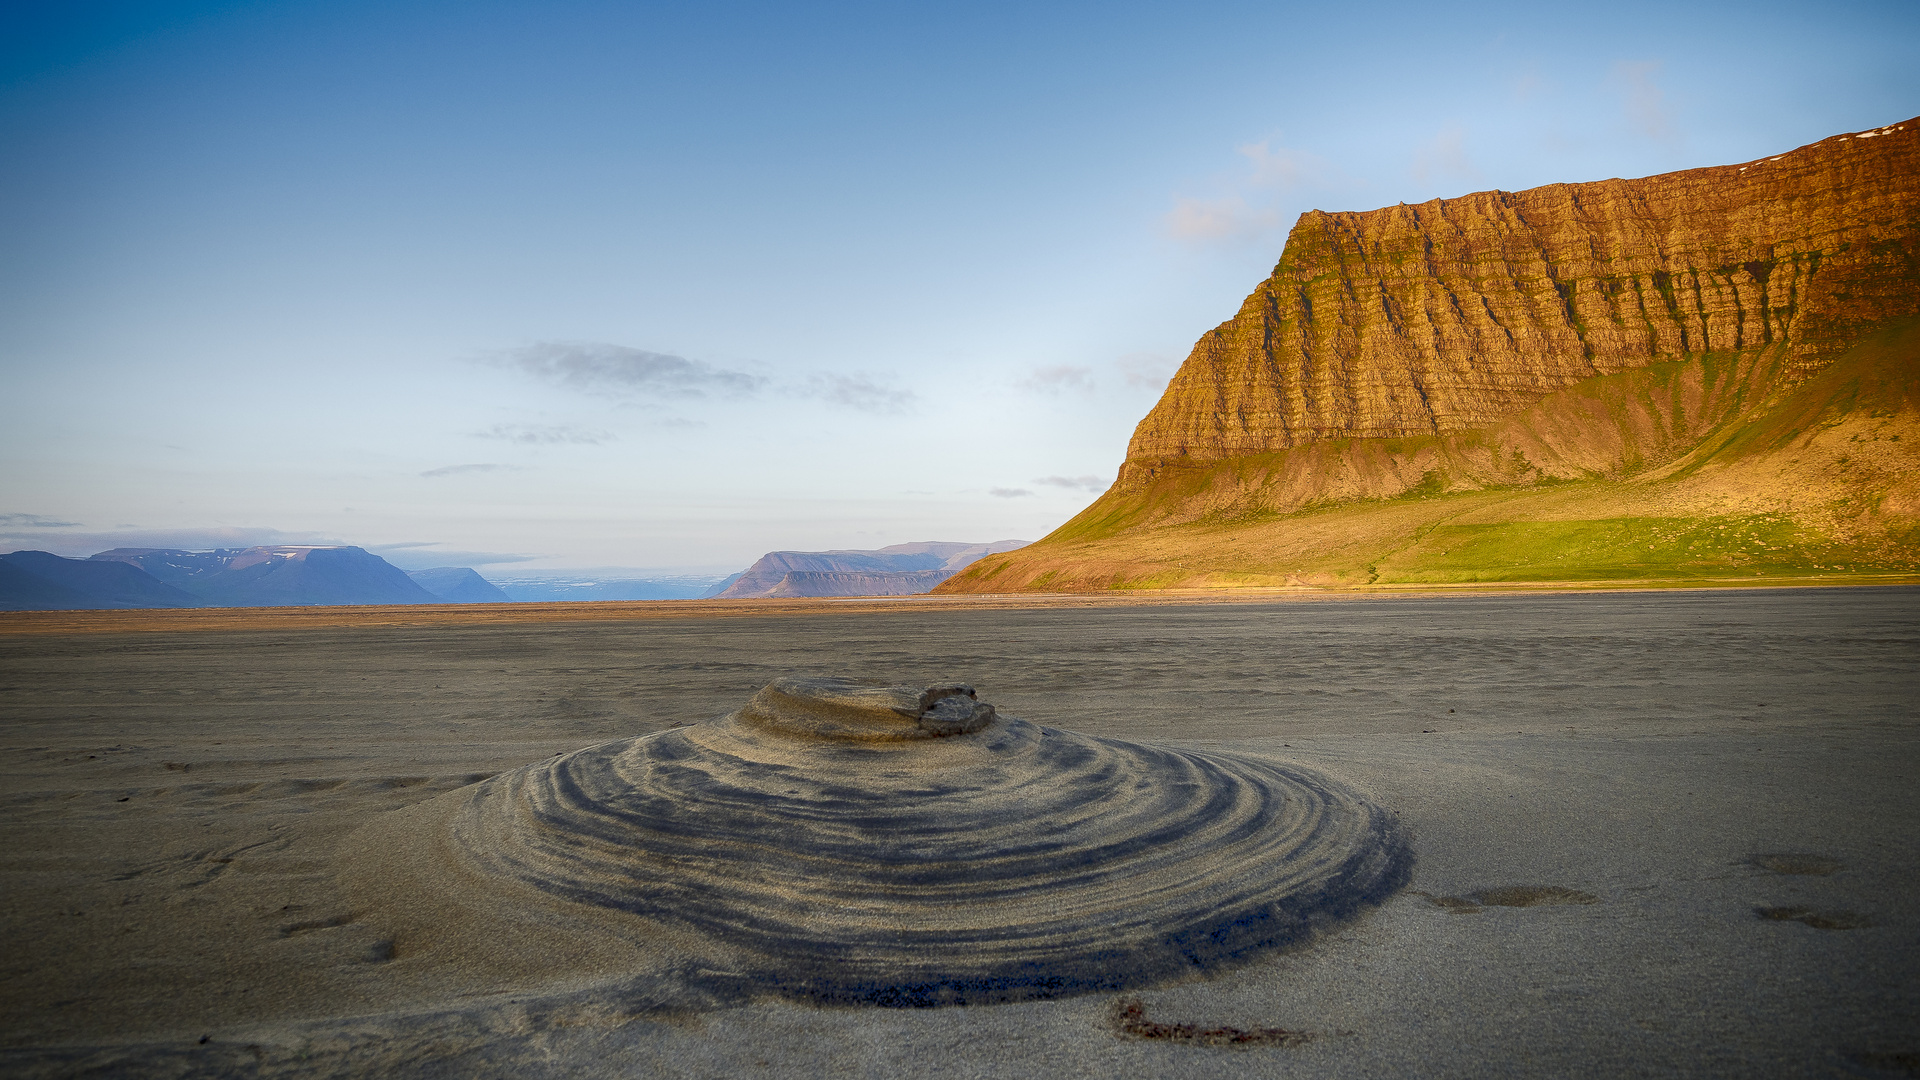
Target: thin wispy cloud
[
  {"x": 1060, "y": 377},
  {"x": 1444, "y": 157},
  {"x": 1529, "y": 85},
  {"x": 1279, "y": 166},
  {"x": 461, "y": 470},
  {"x": 635, "y": 375},
  {"x": 73, "y": 544},
  {"x": 1074, "y": 483},
  {"x": 1248, "y": 209},
  {"x": 34, "y": 521},
  {"x": 544, "y": 435},
  {"x": 597, "y": 367},
  {"x": 1008, "y": 493},
  {"x": 858, "y": 391},
  {"x": 423, "y": 554},
  {"x": 1642, "y": 99},
  {"x": 1225, "y": 218},
  {"x": 1151, "y": 370}
]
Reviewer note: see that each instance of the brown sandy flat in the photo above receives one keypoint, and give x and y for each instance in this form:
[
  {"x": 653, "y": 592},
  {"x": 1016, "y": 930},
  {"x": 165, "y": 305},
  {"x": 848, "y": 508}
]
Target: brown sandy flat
[
  {"x": 1656, "y": 832},
  {"x": 452, "y": 615}
]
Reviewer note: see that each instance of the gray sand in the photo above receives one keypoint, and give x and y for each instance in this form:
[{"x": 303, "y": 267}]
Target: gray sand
[{"x": 1708, "y": 796}]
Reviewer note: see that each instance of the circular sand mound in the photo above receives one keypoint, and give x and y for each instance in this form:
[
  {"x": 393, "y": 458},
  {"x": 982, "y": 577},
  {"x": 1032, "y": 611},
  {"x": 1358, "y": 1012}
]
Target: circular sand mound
[{"x": 849, "y": 842}]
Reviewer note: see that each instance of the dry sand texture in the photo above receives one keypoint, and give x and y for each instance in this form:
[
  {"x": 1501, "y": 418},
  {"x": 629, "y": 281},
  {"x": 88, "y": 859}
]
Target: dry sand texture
[{"x": 1657, "y": 834}]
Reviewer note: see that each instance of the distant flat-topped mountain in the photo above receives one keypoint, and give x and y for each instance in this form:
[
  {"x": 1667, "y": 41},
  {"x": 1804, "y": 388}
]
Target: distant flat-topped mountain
[
  {"x": 1710, "y": 373},
  {"x": 900, "y": 570},
  {"x": 458, "y": 585},
  {"x": 41, "y": 581},
  {"x": 288, "y": 576}
]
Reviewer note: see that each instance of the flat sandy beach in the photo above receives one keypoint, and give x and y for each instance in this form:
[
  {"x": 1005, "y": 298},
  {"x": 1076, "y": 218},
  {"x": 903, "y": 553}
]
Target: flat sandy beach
[{"x": 1656, "y": 833}]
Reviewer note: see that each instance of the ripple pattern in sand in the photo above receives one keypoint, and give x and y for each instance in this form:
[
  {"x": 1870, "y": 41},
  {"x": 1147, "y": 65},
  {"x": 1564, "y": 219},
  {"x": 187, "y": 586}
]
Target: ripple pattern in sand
[{"x": 1018, "y": 861}]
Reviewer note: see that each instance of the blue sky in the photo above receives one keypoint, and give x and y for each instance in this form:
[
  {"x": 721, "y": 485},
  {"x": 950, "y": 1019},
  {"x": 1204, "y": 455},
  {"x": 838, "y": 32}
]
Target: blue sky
[{"x": 666, "y": 287}]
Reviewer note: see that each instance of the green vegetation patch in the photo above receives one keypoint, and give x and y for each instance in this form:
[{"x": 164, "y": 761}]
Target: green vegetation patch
[
  {"x": 1162, "y": 579},
  {"x": 1760, "y": 545}
]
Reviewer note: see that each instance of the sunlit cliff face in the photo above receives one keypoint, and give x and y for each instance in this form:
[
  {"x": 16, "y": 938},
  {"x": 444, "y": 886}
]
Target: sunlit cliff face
[{"x": 1453, "y": 314}]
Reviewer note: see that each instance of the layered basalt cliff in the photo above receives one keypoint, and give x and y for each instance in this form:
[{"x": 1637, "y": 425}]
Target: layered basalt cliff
[
  {"x": 1584, "y": 371},
  {"x": 1453, "y": 314}
]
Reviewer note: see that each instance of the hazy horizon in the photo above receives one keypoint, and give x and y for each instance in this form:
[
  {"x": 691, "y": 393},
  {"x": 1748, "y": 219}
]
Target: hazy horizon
[
  {"x": 578, "y": 287},
  {"x": 496, "y": 568}
]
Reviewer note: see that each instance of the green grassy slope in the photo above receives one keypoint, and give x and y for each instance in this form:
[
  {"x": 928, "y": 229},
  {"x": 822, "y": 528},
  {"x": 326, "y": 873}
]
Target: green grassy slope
[{"x": 1687, "y": 472}]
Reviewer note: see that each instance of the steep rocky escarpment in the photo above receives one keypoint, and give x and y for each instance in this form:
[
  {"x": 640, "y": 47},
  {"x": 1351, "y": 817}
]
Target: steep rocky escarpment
[
  {"x": 1453, "y": 314},
  {"x": 1599, "y": 353},
  {"x": 1605, "y": 426}
]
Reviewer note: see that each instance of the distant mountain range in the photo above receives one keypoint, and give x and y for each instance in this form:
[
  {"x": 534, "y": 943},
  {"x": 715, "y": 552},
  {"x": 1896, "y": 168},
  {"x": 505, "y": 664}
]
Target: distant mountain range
[
  {"x": 277, "y": 576},
  {"x": 37, "y": 580},
  {"x": 458, "y": 585},
  {"x": 301, "y": 576},
  {"x": 229, "y": 577},
  {"x": 900, "y": 570}
]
